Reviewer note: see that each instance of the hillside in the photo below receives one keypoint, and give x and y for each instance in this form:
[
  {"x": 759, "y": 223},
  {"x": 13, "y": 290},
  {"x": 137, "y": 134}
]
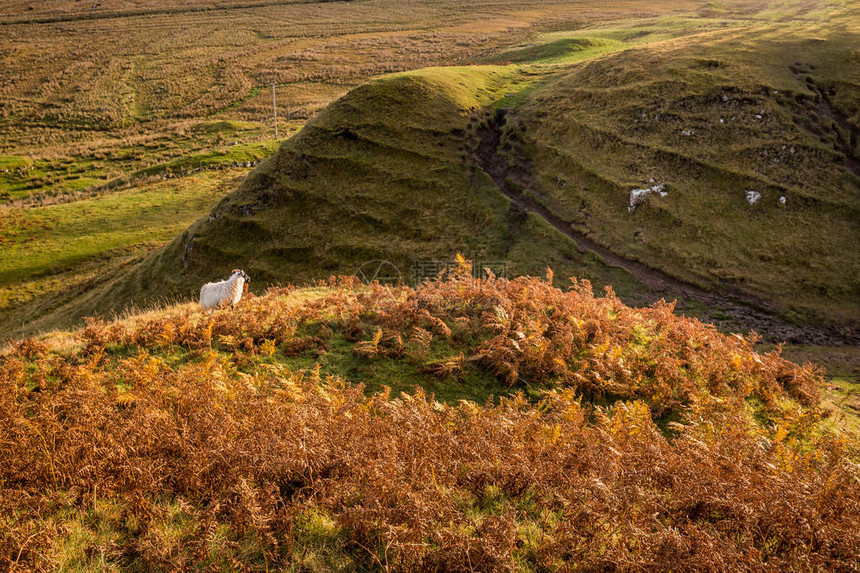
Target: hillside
[
  {"x": 92, "y": 92},
  {"x": 413, "y": 167},
  {"x": 541, "y": 429},
  {"x": 501, "y": 307},
  {"x": 384, "y": 173},
  {"x": 99, "y": 108},
  {"x": 773, "y": 110}
]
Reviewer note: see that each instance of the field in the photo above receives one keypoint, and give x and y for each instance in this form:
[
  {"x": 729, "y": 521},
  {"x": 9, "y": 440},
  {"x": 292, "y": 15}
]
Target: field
[
  {"x": 533, "y": 163},
  {"x": 104, "y": 96},
  {"x": 698, "y": 116},
  {"x": 580, "y": 175},
  {"x": 47, "y": 249},
  {"x": 59, "y": 144}
]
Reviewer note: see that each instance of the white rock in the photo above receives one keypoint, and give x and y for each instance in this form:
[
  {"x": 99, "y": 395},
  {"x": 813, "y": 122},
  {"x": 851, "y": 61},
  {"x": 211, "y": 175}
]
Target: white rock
[{"x": 782, "y": 200}]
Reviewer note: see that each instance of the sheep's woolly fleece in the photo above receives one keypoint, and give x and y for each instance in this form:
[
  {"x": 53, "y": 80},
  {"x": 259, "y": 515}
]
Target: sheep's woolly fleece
[{"x": 226, "y": 292}]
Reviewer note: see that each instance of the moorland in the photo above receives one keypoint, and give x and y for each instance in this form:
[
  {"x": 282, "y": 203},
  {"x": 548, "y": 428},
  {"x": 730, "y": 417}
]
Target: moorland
[{"x": 694, "y": 162}]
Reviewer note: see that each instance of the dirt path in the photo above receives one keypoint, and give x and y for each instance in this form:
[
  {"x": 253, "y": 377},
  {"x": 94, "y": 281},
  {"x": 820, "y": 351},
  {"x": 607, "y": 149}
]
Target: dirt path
[{"x": 749, "y": 312}]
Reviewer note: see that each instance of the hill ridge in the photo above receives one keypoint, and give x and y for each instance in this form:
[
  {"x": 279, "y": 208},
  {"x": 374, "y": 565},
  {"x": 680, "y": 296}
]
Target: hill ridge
[
  {"x": 513, "y": 180},
  {"x": 392, "y": 171}
]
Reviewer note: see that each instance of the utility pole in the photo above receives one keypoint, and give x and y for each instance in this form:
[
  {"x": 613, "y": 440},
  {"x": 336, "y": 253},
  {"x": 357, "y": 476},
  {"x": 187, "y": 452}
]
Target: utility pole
[{"x": 274, "y": 110}]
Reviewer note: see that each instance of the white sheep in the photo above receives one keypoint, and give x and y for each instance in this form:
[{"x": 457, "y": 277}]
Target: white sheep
[{"x": 222, "y": 293}]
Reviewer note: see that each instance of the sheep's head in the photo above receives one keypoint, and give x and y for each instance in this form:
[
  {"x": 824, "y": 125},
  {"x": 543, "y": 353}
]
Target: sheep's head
[{"x": 243, "y": 274}]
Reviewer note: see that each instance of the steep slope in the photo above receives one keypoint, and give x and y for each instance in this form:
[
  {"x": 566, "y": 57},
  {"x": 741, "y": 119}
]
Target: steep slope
[
  {"x": 773, "y": 110},
  {"x": 402, "y": 170},
  {"x": 385, "y": 173}
]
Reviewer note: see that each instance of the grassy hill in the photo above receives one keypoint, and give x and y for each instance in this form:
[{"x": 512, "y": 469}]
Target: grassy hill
[
  {"x": 385, "y": 173},
  {"x": 539, "y": 429},
  {"x": 464, "y": 423},
  {"x": 94, "y": 91},
  {"x": 773, "y": 109},
  {"x": 414, "y": 167}
]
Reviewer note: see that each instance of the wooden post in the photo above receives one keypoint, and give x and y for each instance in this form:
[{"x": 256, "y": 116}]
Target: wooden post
[{"x": 274, "y": 110}]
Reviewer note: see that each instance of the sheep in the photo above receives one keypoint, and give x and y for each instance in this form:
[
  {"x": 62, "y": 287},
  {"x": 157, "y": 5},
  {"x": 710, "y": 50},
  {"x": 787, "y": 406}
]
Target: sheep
[{"x": 222, "y": 293}]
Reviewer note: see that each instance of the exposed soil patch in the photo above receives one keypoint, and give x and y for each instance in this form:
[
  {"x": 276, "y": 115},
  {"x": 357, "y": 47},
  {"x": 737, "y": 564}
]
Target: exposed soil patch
[{"x": 512, "y": 175}]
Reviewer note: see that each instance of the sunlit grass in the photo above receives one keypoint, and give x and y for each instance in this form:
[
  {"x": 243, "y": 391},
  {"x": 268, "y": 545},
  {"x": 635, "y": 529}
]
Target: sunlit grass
[{"x": 43, "y": 246}]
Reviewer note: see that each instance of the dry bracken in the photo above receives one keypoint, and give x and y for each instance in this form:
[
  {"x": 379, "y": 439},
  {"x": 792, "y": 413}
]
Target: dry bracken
[{"x": 192, "y": 441}]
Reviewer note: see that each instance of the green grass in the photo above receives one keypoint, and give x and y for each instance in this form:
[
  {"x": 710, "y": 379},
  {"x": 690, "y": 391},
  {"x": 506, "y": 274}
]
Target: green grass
[
  {"x": 320, "y": 544},
  {"x": 227, "y": 127},
  {"x": 124, "y": 101},
  {"x": 209, "y": 143},
  {"x": 384, "y": 173},
  {"x": 120, "y": 89},
  {"x": 13, "y": 162},
  {"x": 476, "y": 383},
  {"x": 841, "y": 394},
  {"x": 92, "y": 537},
  {"x": 609, "y": 125},
  {"x": 59, "y": 251},
  {"x": 561, "y": 48},
  {"x": 841, "y": 397},
  {"x": 233, "y": 153},
  {"x": 50, "y": 239}
]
